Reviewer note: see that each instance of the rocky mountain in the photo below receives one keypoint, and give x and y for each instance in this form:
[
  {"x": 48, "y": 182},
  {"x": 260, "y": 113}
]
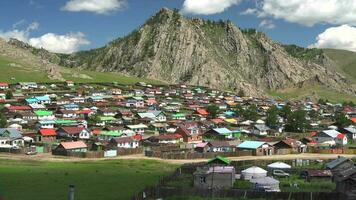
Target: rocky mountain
[
  {"x": 20, "y": 52},
  {"x": 175, "y": 49}
]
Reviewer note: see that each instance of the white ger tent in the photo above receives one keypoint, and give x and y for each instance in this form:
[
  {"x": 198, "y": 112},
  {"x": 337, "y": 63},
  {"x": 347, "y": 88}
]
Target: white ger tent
[
  {"x": 278, "y": 165},
  {"x": 253, "y": 172}
]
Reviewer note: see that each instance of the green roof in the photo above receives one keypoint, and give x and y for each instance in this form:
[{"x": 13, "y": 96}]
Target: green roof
[
  {"x": 219, "y": 159},
  {"x": 65, "y": 121},
  {"x": 43, "y": 113},
  {"x": 111, "y": 133}
]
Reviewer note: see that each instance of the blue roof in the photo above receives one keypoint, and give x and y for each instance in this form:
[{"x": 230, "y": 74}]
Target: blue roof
[
  {"x": 42, "y": 98},
  {"x": 250, "y": 145},
  {"x": 31, "y": 100},
  {"x": 229, "y": 113},
  {"x": 223, "y": 131}
]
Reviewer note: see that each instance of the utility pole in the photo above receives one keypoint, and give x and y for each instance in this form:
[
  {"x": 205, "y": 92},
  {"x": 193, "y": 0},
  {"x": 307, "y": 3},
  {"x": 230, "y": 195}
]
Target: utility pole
[{"x": 71, "y": 192}]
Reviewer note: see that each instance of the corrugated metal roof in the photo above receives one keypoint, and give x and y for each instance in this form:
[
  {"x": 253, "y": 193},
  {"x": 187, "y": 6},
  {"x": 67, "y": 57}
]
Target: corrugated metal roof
[{"x": 250, "y": 144}]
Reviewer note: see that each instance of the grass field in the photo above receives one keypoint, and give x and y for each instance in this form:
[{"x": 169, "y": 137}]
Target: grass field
[
  {"x": 345, "y": 60},
  {"x": 20, "y": 72},
  {"x": 23, "y": 73},
  {"x": 313, "y": 92},
  {"x": 109, "y": 180}
]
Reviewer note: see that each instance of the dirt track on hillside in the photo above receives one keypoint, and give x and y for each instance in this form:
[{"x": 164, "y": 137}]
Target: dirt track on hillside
[{"x": 49, "y": 157}]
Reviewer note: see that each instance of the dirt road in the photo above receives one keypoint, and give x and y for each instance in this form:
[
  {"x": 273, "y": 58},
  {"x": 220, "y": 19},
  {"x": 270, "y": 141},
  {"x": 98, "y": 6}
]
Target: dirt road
[{"x": 49, "y": 157}]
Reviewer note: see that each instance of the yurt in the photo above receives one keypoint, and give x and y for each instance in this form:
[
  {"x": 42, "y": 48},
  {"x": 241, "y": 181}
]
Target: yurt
[
  {"x": 253, "y": 172},
  {"x": 278, "y": 165},
  {"x": 265, "y": 184}
]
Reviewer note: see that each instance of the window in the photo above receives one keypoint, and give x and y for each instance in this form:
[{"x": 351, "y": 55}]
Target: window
[{"x": 202, "y": 179}]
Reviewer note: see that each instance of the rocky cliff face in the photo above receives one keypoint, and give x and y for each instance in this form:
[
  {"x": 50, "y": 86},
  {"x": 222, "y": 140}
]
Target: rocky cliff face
[{"x": 175, "y": 49}]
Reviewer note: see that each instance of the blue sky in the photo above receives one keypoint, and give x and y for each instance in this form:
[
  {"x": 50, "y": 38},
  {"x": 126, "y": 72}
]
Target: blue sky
[{"x": 83, "y": 26}]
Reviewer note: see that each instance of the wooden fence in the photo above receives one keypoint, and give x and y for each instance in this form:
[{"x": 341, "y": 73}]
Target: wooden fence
[
  {"x": 88, "y": 154},
  {"x": 124, "y": 151},
  {"x": 195, "y": 155}
]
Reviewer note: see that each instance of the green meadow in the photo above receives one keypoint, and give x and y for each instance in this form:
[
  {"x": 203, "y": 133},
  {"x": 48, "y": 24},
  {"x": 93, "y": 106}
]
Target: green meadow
[{"x": 93, "y": 180}]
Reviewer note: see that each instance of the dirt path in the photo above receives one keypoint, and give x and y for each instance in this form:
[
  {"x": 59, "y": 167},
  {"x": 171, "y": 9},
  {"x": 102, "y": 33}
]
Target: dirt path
[{"x": 49, "y": 157}]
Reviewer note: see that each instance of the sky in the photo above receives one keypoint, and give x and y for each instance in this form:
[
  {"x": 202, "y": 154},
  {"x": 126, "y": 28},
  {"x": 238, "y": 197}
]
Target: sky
[{"x": 66, "y": 26}]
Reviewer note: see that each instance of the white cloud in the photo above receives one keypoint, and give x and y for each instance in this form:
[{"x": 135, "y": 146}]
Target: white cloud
[
  {"x": 250, "y": 11},
  {"x": 96, "y": 6},
  {"x": 341, "y": 37},
  {"x": 67, "y": 43},
  {"x": 207, "y": 7},
  {"x": 267, "y": 24},
  {"x": 310, "y": 12}
]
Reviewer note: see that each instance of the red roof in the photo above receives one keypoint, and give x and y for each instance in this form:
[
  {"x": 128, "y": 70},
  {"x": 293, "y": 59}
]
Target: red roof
[
  {"x": 340, "y": 136},
  {"x": 84, "y": 112},
  {"x": 353, "y": 119},
  {"x": 169, "y": 137},
  {"x": 48, "y": 132},
  {"x": 217, "y": 121},
  {"x": 137, "y": 137},
  {"x": 72, "y": 129},
  {"x": 4, "y": 85},
  {"x": 19, "y": 108},
  {"x": 201, "y": 112},
  {"x": 73, "y": 145}
]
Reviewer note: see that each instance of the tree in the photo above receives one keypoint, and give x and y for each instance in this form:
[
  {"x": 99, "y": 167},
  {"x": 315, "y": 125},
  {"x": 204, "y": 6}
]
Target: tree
[
  {"x": 9, "y": 94},
  {"x": 341, "y": 120},
  {"x": 297, "y": 121},
  {"x": 239, "y": 111},
  {"x": 314, "y": 115},
  {"x": 94, "y": 119},
  {"x": 272, "y": 117},
  {"x": 286, "y": 111},
  {"x": 3, "y": 120},
  {"x": 251, "y": 113},
  {"x": 213, "y": 110}
]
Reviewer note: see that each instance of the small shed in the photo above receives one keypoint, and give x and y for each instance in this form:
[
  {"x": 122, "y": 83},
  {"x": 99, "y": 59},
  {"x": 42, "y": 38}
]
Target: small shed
[
  {"x": 253, "y": 172},
  {"x": 265, "y": 184},
  {"x": 219, "y": 160},
  {"x": 278, "y": 165}
]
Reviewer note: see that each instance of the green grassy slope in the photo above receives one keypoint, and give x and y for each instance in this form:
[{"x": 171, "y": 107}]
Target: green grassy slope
[
  {"x": 24, "y": 72},
  {"x": 20, "y": 72},
  {"x": 346, "y": 62},
  {"x": 109, "y": 180}
]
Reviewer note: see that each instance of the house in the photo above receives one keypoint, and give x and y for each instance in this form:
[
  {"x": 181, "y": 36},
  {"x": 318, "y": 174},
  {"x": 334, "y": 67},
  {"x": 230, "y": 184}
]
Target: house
[
  {"x": 330, "y": 137},
  {"x": 219, "y": 160},
  {"x": 220, "y": 146},
  {"x": 107, "y": 112},
  {"x": 46, "y": 136},
  {"x": 214, "y": 177},
  {"x": 73, "y": 146},
  {"x": 73, "y": 132},
  {"x": 202, "y": 147},
  {"x": 10, "y": 137},
  {"x": 190, "y": 134},
  {"x": 44, "y": 115},
  {"x": 124, "y": 142},
  {"x": 222, "y": 133},
  {"x": 4, "y": 86},
  {"x": 346, "y": 183},
  {"x": 138, "y": 128},
  {"x": 290, "y": 145},
  {"x": 350, "y": 132},
  {"x": 67, "y": 114},
  {"x": 260, "y": 129},
  {"x": 316, "y": 175},
  {"x": 339, "y": 164},
  {"x": 167, "y": 139},
  {"x": 46, "y": 124},
  {"x": 258, "y": 148},
  {"x": 28, "y": 85}
]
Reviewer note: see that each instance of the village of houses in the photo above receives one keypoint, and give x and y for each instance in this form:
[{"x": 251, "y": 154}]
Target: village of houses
[{"x": 177, "y": 122}]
